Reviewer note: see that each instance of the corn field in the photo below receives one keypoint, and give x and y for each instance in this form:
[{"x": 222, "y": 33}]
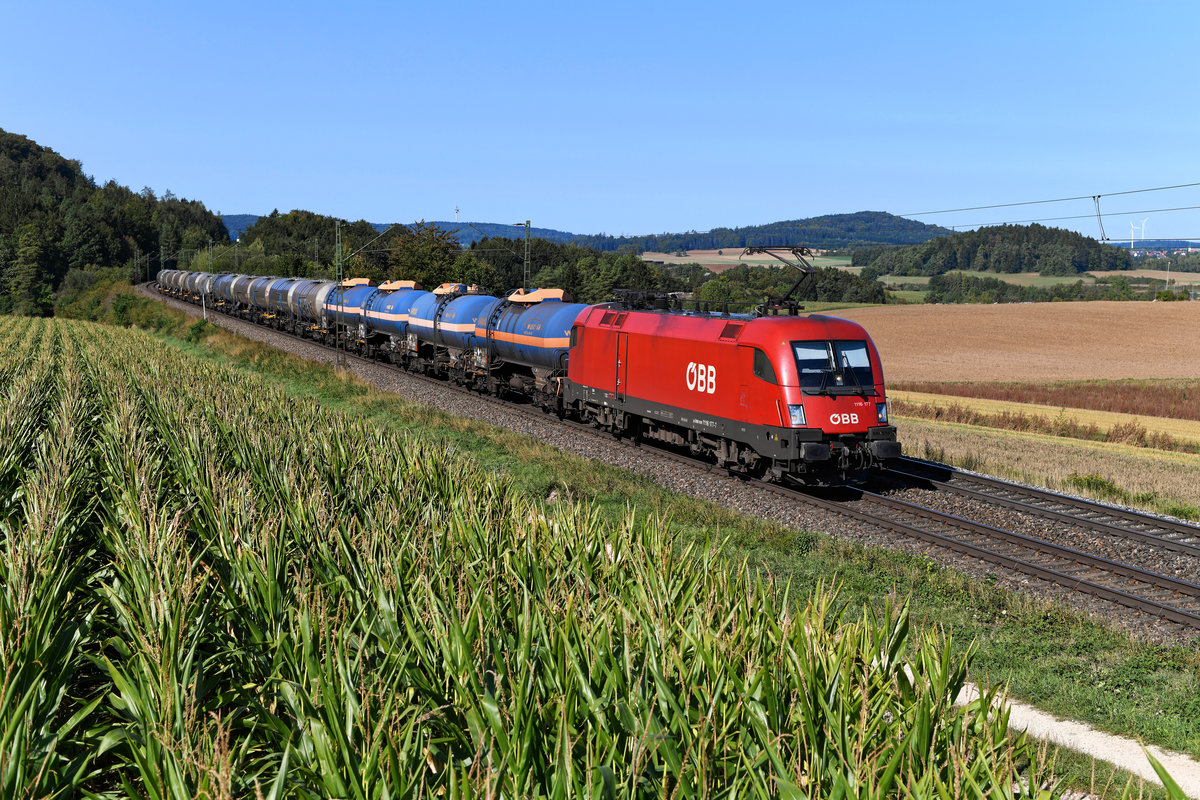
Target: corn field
[{"x": 211, "y": 588}]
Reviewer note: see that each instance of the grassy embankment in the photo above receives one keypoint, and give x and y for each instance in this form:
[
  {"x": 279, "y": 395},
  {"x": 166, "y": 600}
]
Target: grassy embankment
[{"x": 1055, "y": 659}]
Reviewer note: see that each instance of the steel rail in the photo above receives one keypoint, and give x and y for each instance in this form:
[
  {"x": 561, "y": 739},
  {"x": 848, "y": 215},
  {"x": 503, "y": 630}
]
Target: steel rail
[
  {"x": 1025, "y": 566},
  {"x": 1185, "y": 538}
]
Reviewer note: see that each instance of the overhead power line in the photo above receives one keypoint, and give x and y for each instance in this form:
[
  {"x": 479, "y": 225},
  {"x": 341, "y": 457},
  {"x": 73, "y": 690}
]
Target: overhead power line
[
  {"x": 1055, "y": 200},
  {"x": 1079, "y": 216}
]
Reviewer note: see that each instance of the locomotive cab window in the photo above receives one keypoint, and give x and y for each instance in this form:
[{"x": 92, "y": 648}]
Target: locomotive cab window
[
  {"x": 834, "y": 366},
  {"x": 763, "y": 368}
]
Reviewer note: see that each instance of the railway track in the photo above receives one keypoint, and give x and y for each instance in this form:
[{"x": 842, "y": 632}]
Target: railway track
[
  {"x": 1162, "y": 597},
  {"x": 1167, "y": 534}
]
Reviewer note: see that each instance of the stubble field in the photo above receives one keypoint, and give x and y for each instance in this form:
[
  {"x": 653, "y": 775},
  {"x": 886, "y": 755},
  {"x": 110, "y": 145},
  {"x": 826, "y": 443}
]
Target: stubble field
[
  {"x": 1080, "y": 397},
  {"x": 1033, "y": 342}
]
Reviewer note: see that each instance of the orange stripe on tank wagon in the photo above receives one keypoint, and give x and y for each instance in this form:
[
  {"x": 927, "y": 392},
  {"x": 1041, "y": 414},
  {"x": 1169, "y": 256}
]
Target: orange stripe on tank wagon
[
  {"x": 390, "y": 317},
  {"x": 453, "y": 327},
  {"x": 522, "y": 338}
]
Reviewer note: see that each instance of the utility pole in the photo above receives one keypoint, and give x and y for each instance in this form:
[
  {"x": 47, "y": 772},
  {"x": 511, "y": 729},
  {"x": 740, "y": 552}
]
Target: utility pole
[
  {"x": 340, "y": 359},
  {"x": 527, "y": 255},
  {"x": 525, "y": 283}
]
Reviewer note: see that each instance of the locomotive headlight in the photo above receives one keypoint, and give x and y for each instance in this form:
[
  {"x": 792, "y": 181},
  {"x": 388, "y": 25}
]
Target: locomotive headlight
[
  {"x": 797, "y": 415},
  {"x": 882, "y": 409}
]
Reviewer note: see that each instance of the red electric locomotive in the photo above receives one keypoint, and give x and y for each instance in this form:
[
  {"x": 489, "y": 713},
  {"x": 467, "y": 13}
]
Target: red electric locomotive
[{"x": 766, "y": 395}]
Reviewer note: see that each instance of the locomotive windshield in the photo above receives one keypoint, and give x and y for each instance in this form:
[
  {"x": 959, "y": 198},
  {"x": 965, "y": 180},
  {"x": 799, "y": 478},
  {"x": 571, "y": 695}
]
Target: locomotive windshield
[{"x": 834, "y": 367}]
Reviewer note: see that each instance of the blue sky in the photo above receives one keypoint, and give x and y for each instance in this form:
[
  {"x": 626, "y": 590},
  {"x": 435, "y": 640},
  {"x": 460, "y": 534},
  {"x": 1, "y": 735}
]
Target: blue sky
[{"x": 622, "y": 118}]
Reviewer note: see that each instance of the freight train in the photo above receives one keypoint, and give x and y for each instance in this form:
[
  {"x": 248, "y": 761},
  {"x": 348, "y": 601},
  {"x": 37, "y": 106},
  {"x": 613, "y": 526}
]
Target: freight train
[{"x": 775, "y": 394}]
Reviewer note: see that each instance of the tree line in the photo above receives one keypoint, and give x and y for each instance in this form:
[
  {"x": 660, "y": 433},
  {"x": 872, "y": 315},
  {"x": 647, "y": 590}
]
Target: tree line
[
  {"x": 1181, "y": 262},
  {"x": 55, "y": 219},
  {"x": 61, "y": 233},
  {"x": 279, "y": 244},
  {"x": 962, "y": 288},
  {"x": 1000, "y": 248}
]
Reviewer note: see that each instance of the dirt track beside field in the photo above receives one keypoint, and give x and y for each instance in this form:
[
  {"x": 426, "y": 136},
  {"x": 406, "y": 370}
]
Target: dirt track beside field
[{"x": 1035, "y": 341}]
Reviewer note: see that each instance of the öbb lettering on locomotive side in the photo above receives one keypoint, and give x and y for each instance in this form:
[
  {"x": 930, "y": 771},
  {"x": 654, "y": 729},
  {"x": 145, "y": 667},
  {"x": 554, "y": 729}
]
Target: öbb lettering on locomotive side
[
  {"x": 782, "y": 396},
  {"x": 701, "y": 377}
]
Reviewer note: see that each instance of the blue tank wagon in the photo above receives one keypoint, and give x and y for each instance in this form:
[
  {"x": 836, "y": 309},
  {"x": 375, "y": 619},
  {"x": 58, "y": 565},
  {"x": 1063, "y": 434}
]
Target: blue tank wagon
[
  {"x": 525, "y": 339},
  {"x": 385, "y": 313}
]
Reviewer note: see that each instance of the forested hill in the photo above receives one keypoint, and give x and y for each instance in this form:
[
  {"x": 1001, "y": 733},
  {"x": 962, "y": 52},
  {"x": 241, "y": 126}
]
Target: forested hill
[
  {"x": 468, "y": 233},
  {"x": 54, "y": 218},
  {"x": 1001, "y": 248},
  {"x": 472, "y": 232},
  {"x": 833, "y": 231}
]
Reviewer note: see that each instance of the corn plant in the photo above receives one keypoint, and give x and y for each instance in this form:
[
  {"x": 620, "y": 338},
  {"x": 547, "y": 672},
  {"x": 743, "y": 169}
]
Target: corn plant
[
  {"x": 46, "y": 430},
  {"x": 271, "y": 598}
]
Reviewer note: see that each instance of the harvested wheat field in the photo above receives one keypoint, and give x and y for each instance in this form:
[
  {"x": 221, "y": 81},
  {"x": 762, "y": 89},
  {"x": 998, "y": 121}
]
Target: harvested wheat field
[
  {"x": 1050, "y": 461},
  {"x": 1184, "y": 430},
  {"x": 1035, "y": 341}
]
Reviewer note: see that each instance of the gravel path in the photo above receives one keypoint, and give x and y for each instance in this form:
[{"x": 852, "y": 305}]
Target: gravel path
[{"x": 1121, "y": 752}]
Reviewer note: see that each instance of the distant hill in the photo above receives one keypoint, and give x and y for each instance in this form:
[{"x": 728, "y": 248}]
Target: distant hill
[
  {"x": 998, "y": 248},
  {"x": 236, "y": 223},
  {"x": 466, "y": 232},
  {"x": 1151, "y": 244},
  {"x": 829, "y": 232}
]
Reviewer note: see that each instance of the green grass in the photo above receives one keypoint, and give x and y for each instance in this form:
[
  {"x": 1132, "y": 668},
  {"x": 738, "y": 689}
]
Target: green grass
[
  {"x": 820, "y": 307},
  {"x": 1046, "y": 655},
  {"x": 906, "y": 296},
  {"x": 831, "y": 261},
  {"x": 1016, "y": 278},
  {"x": 897, "y": 280}
]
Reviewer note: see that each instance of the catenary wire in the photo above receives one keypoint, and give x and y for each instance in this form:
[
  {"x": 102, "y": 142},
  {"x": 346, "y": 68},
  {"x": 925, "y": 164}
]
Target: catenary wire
[
  {"x": 1079, "y": 216},
  {"x": 1055, "y": 200}
]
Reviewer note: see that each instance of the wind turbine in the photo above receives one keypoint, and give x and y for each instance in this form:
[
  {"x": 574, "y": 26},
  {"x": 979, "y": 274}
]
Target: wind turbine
[{"x": 1142, "y": 231}]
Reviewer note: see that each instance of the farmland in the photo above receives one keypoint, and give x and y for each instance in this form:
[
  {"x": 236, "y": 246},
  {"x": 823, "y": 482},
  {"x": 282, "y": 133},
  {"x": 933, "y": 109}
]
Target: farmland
[
  {"x": 1034, "y": 342},
  {"x": 1173, "y": 399},
  {"x": 215, "y": 587},
  {"x": 1017, "y": 278},
  {"x": 1164, "y": 481},
  {"x": 1051, "y": 393},
  {"x": 1160, "y": 432},
  {"x": 721, "y": 260},
  {"x": 1178, "y": 279}
]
